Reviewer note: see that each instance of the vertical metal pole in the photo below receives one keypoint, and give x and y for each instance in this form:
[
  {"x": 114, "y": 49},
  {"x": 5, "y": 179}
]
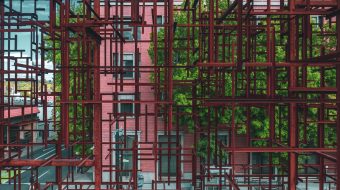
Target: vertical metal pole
[
  {"x": 97, "y": 125},
  {"x": 239, "y": 34},
  {"x": 321, "y": 128},
  {"x": 338, "y": 104},
  {"x": 170, "y": 60},
  {"x": 2, "y": 77},
  {"x": 292, "y": 165},
  {"x": 65, "y": 74},
  {"x": 63, "y": 134}
]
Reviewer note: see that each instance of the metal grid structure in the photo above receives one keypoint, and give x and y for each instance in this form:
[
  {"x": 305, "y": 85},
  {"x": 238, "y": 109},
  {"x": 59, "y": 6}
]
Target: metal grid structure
[{"x": 248, "y": 55}]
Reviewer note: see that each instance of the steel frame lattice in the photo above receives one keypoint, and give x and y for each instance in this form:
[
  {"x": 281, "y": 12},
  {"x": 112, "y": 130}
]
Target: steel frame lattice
[{"x": 249, "y": 55}]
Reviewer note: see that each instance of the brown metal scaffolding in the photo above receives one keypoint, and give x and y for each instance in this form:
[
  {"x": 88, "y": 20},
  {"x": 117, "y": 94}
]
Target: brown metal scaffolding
[{"x": 126, "y": 88}]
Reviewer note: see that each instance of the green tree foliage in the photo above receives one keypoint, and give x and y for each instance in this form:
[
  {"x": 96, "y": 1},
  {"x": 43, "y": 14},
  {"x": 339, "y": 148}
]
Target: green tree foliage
[
  {"x": 78, "y": 127},
  {"x": 259, "y": 118}
]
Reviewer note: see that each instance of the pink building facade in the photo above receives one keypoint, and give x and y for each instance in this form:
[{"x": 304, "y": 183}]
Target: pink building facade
[{"x": 113, "y": 127}]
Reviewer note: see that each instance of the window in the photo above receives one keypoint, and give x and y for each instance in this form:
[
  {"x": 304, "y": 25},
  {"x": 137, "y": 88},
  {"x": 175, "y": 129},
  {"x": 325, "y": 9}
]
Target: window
[
  {"x": 159, "y": 21},
  {"x": 317, "y": 21},
  {"x": 128, "y": 64},
  {"x": 115, "y": 62},
  {"x": 127, "y": 156},
  {"x": 260, "y": 158},
  {"x": 167, "y": 165},
  {"x": 126, "y": 108},
  {"x": 115, "y": 58},
  {"x": 223, "y": 138},
  {"x": 123, "y": 153},
  {"x": 128, "y": 30}
]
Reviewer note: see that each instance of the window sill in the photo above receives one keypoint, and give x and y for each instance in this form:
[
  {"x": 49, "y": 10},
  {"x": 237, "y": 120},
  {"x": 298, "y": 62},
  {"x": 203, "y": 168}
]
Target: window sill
[
  {"x": 128, "y": 78},
  {"x": 171, "y": 177},
  {"x": 128, "y": 117}
]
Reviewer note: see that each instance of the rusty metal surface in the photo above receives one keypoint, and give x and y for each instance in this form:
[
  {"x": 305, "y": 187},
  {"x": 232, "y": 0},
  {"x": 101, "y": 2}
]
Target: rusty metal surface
[{"x": 276, "y": 58}]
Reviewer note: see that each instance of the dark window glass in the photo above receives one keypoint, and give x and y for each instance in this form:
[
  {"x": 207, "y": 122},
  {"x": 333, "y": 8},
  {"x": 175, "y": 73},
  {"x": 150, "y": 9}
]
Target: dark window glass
[
  {"x": 128, "y": 69},
  {"x": 223, "y": 139},
  {"x": 126, "y": 108},
  {"x": 126, "y": 161},
  {"x": 167, "y": 165},
  {"x": 127, "y": 33},
  {"x": 114, "y": 59},
  {"x": 159, "y": 19},
  {"x": 139, "y": 33},
  {"x": 260, "y": 158},
  {"x": 128, "y": 30},
  {"x": 115, "y": 62},
  {"x": 128, "y": 63}
]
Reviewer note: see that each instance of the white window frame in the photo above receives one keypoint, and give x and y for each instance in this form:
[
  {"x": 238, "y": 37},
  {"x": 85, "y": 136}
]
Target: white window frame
[
  {"x": 160, "y": 27},
  {"x": 113, "y": 155},
  {"x": 118, "y": 64},
  {"x": 128, "y": 97},
  {"x": 161, "y": 16},
  {"x": 139, "y": 29},
  {"x": 317, "y": 20},
  {"x": 181, "y": 136}
]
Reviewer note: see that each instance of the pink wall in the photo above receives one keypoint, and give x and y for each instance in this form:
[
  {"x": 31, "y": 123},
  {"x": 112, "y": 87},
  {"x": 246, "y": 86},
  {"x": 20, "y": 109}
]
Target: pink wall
[{"x": 146, "y": 92}]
